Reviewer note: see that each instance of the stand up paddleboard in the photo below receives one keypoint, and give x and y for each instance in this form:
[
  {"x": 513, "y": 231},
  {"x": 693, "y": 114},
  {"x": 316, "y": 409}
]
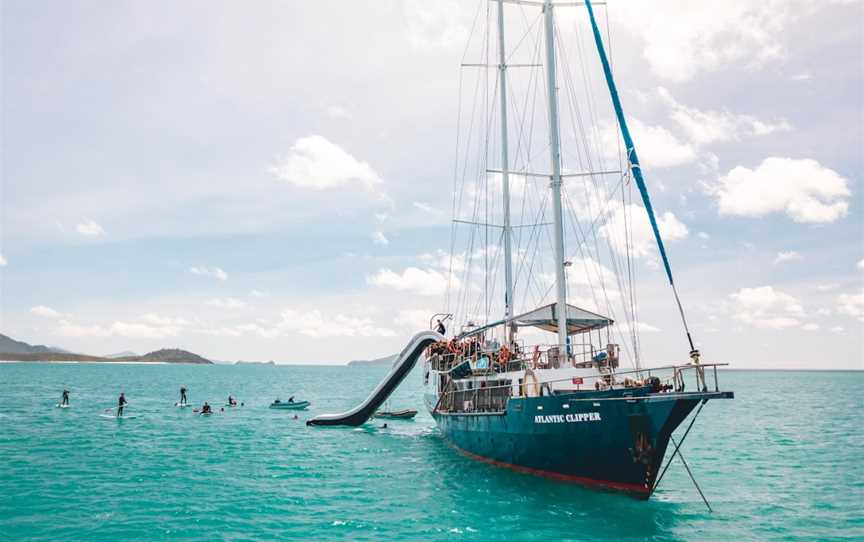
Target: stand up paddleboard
[
  {"x": 63, "y": 406},
  {"x": 184, "y": 405},
  {"x": 116, "y": 417}
]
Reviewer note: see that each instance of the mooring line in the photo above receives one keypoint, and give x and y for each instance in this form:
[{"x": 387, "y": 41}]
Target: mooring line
[
  {"x": 678, "y": 446},
  {"x": 699, "y": 489}
]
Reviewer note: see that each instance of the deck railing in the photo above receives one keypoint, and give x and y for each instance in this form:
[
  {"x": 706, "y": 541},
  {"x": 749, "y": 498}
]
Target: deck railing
[
  {"x": 493, "y": 399},
  {"x": 541, "y": 356}
]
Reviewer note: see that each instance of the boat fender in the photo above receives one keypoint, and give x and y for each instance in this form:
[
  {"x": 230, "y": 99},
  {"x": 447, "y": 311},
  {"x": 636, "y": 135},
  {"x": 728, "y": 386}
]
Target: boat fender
[{"x": 536, "y": 386}]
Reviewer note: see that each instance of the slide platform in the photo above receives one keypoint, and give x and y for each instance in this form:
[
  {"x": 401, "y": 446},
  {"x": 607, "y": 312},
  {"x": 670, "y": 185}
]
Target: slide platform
[{"x": 401, "y": 367}]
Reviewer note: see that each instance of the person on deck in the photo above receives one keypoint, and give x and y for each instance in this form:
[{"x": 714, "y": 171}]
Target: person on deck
[
  {"x": 440, "y": 328},
  {"x": 121, "y": 402},
  {"x": 65, "y": 399},
  {"x": 291, "y": 399},
  {"x": 183, "y": 400}
]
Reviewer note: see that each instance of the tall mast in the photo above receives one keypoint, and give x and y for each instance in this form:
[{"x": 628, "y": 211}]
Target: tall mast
[
  {"x": 555, "y": 154},
  {"x": 505, "y": 177}
]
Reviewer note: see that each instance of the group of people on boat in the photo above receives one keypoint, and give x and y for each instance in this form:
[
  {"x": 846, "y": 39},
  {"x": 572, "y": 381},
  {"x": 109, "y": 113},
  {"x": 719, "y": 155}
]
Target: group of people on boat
[{"x": 488, "y": 354}]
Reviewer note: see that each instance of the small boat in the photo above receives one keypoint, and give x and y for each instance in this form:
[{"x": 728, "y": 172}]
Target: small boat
[
  {"x": 290, "y": 405},
  {"x": 404, "y": 414}
]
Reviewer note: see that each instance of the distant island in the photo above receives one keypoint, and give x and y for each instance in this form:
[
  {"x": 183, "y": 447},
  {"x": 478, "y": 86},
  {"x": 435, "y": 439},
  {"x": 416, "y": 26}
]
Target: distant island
[
  {"x": 12, "y": 350},
  {"x": 386, "y": 360},
  {"x": 241, "y": 362}
]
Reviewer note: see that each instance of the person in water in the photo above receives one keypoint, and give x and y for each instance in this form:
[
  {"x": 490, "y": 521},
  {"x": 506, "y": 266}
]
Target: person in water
[
  {"x": 232, "y": 401},
  {"x": 183, "y": 399},
  {"x": 65, "y": 400},
  {"x": 290, "y": 399},
  {"x": 206, "y": 408},
  {"x": 440, "y": 328},
  {"x": 121, "y": 402}
]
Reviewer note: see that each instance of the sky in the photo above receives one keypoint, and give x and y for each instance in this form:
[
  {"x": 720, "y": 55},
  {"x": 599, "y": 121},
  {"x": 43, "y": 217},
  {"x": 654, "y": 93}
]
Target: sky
[{"x": 274, "y": 180}]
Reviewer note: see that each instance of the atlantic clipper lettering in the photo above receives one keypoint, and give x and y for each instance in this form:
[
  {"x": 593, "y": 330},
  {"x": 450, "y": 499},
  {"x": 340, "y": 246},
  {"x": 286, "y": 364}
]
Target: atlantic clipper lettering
[{"x": 568, "y": 418}]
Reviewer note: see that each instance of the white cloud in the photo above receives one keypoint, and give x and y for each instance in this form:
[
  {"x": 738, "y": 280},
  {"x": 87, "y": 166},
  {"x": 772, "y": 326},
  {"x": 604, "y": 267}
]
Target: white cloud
[
  {"x": 837, "y": 329},
  {"x": 137, "y": 330},
  {"x": 802, "y": 189},
  {"x": 642, "y": 235},
  {"x": 696, "y": 39},
  {"x": 704, "y": 127},
  {"x": 413, "y": 320},
  {"x": 158, "y": 320},
  {"x": 131, "y": 330},
  {"x": 827, "y": 287},
  {"x": 789, "y": 256},
  {"x": 425, "y": 207},
  {"x": 379, "y": 239},
  {"x": 225, "y": 303},
  {"x": 702, "y": 235},
  {"x": 3, "y": 261},
  {"x": 316, "y": 163},
  {"x": 657, "y": 146},
  {"x": 766, "y": 308},
  {"x": 257, "y": 293},
  {"x": 70, "y": 329},
  {"x": 444, "y": 261},
  {"x": 90, "y": 227},
  {"x": 810, "y": 327},
  {"x": 642, "y": 327},
  {"x": 860, "y": 264},
  {"x": 314, "y": 324},
  {"x": 337, "y": 112},
  {"x": 423, "y": 282},
  {"x": 439, "y": 24},
  {"x": 214, "y": 272},
  {"x": 46, "y": 312},
  {"x": 851, "y": 305}
]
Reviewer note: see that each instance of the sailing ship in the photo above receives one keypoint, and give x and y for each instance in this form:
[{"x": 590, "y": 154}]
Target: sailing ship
[{"x": 543, "y": 391}]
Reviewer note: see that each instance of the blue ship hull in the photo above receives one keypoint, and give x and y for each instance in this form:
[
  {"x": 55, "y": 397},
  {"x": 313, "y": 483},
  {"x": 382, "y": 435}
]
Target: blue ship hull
[{"x": 614, "y": 440}]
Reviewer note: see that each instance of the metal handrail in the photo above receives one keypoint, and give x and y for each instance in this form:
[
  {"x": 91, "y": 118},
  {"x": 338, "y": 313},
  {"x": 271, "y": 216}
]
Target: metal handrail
[{"x": 676, "y": 368}]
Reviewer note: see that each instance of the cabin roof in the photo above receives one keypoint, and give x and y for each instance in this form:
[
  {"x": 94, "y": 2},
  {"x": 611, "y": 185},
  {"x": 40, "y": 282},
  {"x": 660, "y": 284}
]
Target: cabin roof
[{"x": 546, "y": 317}]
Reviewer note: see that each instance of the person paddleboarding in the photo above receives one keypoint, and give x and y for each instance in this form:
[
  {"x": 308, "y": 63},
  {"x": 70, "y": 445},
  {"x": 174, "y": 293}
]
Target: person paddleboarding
[
  {"x": 121, "y": 402},
  {"x": 65, "y": 400},
  {"x": 183, "y": 400}
]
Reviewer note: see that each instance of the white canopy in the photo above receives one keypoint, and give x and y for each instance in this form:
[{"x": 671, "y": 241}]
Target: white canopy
[{"x": 546, "y": 318}]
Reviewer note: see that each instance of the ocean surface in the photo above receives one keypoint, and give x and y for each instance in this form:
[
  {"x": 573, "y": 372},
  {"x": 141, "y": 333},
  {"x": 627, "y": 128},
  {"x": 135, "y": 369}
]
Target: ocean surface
[{"x": 784, "y": 460}]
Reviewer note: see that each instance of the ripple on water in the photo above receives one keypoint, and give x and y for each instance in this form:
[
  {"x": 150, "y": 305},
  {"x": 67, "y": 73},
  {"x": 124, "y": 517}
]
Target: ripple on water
[{"x": 775, "y": 466}]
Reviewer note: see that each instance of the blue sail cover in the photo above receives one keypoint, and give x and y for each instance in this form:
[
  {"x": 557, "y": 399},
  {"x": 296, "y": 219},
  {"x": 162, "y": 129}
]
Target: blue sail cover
[{"x": 628, "y": 141}]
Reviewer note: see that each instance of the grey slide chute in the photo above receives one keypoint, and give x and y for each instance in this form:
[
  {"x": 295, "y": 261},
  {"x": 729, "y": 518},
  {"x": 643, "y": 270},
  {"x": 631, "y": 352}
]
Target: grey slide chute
[{"x": 401, "y": 367}]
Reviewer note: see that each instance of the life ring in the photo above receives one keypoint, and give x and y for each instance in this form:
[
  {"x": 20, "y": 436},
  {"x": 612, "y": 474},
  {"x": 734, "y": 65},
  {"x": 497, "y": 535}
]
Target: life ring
[{"x": 524, "y": 387}]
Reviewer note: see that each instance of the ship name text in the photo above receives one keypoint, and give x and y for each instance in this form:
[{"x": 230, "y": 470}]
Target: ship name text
[{"x": 568, "y": 418}]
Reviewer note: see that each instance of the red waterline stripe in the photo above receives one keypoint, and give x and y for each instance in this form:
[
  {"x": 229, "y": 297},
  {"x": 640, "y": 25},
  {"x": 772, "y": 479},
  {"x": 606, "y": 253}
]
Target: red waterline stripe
[{"x": 581, "y": 480}]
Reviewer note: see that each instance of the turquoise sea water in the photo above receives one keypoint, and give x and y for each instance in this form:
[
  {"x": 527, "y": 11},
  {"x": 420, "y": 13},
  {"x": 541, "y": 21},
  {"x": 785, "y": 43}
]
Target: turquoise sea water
[{"x": 782, "y": 461}]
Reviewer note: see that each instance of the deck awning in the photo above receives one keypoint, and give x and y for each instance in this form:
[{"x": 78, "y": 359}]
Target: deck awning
[{"x": 546, "y": 318}]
